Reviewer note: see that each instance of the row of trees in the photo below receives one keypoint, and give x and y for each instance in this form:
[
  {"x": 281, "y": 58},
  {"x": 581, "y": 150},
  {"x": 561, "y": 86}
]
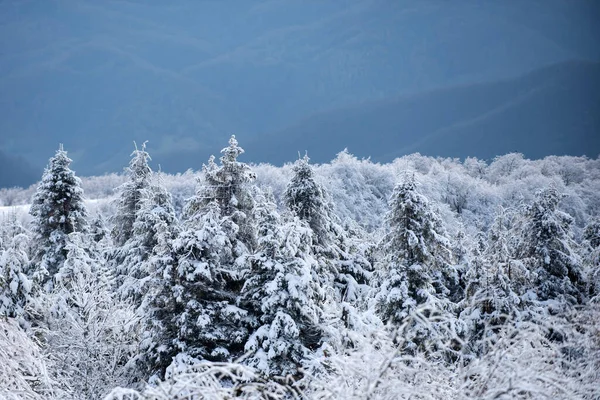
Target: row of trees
[{"x": 283, "y": 290}]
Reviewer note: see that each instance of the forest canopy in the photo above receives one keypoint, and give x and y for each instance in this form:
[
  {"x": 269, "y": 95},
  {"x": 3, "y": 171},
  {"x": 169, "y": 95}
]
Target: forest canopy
[{"x": 427, "y": 278}]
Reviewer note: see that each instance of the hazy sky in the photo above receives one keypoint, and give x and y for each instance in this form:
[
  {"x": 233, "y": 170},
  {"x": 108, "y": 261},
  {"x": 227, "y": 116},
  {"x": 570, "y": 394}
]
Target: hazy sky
[{"x": 96, "y": 75}]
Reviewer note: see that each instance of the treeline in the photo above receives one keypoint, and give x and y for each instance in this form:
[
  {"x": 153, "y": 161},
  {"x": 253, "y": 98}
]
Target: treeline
[{"x": 427, "y": 278}]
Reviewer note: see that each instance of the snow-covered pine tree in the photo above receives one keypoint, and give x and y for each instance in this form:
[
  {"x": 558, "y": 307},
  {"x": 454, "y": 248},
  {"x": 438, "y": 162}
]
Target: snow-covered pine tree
[
  {"x": 193, "y": 295},
  {"x": 230, "y": 185},
  {"x": 340, "y": 263},
  {"x": 160, "y": 307},
  {"x": 131, "y": 194},
  {"x": 547, "y": 247},
  {"x": 282, "y": 295},
  {"x": 306, "y": 198},
  {"x": 58, "y": 210},
  {"x": 591, "y": 256},
  {"x": 199, "y": 272},
  {"x": 16, "y": 287},
  {"x": 155, "y": 213},
  {"x": 416, "y": 256},
  {"x": 98, "y": 230},
  {"x": 495, "y": 282},
  {"x": 10, "y": 227}
]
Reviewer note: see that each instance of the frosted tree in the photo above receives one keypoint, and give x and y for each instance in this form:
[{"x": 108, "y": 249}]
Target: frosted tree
[
  {"x": 495, "y": 284},
  {"x": 230, "y": 185},
  {"x": 99, "y": 232},
  {"x": 57, "y": 209},
  {"x": 131, "y": 194},
  {"x": 547, "y": 247},
  {"x": 10, "y": 227},
  {"x": 24, "y": 372},
  {"x": 282, "y": 294},
  {"x": 159, "y": 308},
  {"x": 416, "y": 258},
  {"x": 340, "y": 262},
  {"x": 89, "y": 335},
  {"x": 194, "y": 302},
  {"x": 591, "y": 256},
  {"x": 155, "y": 213},
  {"x": 305, "y": 197},
  {"x": 16, "y": 287}
]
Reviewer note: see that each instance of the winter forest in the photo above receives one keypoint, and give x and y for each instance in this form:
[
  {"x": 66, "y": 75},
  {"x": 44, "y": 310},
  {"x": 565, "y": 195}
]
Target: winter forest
[{"x": 424, "y": 278}]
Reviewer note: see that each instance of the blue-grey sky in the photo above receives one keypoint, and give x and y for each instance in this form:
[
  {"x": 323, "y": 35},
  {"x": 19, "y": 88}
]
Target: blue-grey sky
[{"x": 184, "y": 75}]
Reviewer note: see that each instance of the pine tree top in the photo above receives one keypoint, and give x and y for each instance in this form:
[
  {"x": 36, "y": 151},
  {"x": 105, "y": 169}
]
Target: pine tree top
[{"x": 231, "y": 152}]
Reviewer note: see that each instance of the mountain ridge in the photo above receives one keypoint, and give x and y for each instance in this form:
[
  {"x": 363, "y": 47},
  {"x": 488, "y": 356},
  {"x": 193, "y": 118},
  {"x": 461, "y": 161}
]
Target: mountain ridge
[{"x": 454, "y": 111}]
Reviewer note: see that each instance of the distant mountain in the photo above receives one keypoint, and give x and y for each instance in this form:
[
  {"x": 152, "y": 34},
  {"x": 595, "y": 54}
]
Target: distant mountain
[
  {"x": 554, "y": 110},
  {"x": 96, "y": 75},
  {"x": 14, "y": 171}
]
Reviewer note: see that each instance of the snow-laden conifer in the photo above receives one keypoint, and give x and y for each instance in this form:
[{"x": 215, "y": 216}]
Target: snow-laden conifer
[
  {"x": 155, "y": 213},
  {"x": 58, "y": 210},
  {"x": 415, "y": 270},
  {"x": 547, "y": 247},
  {"x": 16, "y": 287},
  {"x": 341, "y": 263},
  {"x": 495, "y": 284},
  {"x": 230, "y": 185},
  {"x": 591, "y": 251},
  {"x": 131, "y": 195},
  {"x": 192, "y": 300},
  {"x": 282, "y": 293}
]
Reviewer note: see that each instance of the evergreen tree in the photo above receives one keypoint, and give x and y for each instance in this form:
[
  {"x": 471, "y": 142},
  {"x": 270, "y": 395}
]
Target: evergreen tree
[
  {"x": 160, "y": 307},
  {"x": 230, "y": 185},
  {"x": 193, "y": 297},
  {"x": 131, "y": 195},
  {"x": 495, "y": 284},
  {"x": 9, "y": 228},
  {"x": 340, "y": 261},
  {"x": 16, "y": 287},
  {"x": 156, "y": 209},
  {"x": 98, "y": 230},
  {"x": 306, "y": 198},
  {"x": 416, "y": 256},
  {"x": 591, "y": 245},
  {"x": 548, "y": 248},
  {"x": 58, "y": 210},
  {"x": 282, "y": 294}
]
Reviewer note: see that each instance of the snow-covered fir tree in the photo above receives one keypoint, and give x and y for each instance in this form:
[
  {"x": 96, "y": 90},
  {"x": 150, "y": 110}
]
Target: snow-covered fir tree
[
  {"x": 194, "y": 293},
  {"x": 547, "y": 247},
  {"x": 131, "y": 194},
  {"x": 306, "y": 198},
  {"x": 495, "y": 284},
  {"x": 57, "y": 209},
  {"x": 99, "y": 231},
  {"x": 155, "y": 212},
  {"x": 282, "y": 294},
  {"x": 415, "y": 271},
  {"x": 340, "y": 262},
  {"x": 16, "y": 287},
  {"x": 230, "y": 185},
  {"x": 591, "y": 256}
]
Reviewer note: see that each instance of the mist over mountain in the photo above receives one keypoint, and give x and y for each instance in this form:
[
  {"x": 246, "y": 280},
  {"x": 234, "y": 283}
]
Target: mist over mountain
[
  {"x": 554, "y": 110},
  {"x": 185, "y": 75}
]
